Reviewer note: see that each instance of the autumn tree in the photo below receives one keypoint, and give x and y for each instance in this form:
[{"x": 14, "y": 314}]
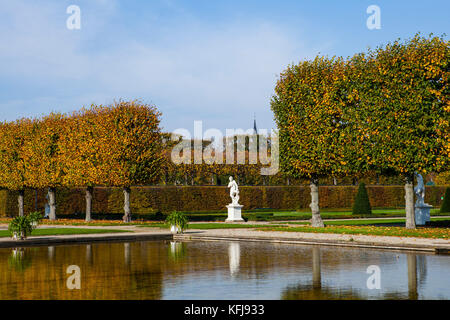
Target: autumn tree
[
  {"x": 41, "y": 156},
  {"x": 401, "y": 101},
  {"x": 129, "y": 146},
  {"x": 309, "y": 108},
  {"x": 79, "y": 153},
  {"x": 13, "y": 136}
]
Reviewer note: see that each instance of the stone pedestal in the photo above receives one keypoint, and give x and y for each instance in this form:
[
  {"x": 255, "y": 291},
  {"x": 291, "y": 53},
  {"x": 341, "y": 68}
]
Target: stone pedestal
[
  {"x": 234, "y": 213},
  {"x": 422, "y": 213}
]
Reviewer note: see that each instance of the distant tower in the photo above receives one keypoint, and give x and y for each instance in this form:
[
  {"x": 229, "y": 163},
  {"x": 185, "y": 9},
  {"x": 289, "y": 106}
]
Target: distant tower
[{"x": 255, "y": 130}]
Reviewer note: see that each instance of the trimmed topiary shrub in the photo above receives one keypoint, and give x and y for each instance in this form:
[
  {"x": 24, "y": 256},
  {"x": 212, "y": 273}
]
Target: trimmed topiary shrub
[
  {"x": 362, "y": 203},
  {"x": 445, "y": 207}
]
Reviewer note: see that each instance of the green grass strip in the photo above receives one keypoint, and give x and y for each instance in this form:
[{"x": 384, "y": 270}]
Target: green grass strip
[
  {"x": 357, "y": 222},
  {"x": 437, "y": 233}
]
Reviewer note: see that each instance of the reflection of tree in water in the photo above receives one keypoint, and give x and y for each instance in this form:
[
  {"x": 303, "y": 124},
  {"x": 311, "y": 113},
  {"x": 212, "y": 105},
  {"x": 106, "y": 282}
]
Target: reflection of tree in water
[
  {"x": 146, "y": 284},
  {"x": 422, "y": 269},
  {"x": 417, "y": 274},
  {"x": 19, "y": 260},
  {"x": 316, "y": 290},
  {"x": 106, "y": 272}
]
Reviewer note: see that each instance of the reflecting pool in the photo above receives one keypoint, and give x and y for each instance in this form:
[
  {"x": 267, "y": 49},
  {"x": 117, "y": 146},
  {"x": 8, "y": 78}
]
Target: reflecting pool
[{"x": 219, "y": 270}]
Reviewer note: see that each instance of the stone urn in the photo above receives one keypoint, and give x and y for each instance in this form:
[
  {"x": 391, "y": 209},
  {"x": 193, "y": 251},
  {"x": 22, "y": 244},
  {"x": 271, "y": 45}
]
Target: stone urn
[
  {"x": 19, "y": 235},
  {"x": 174, "y": 229}
]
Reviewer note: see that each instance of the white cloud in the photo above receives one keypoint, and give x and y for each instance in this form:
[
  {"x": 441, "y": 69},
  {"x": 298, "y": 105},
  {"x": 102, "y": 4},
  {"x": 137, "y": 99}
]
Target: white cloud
[{"x": 220, "y": 74}]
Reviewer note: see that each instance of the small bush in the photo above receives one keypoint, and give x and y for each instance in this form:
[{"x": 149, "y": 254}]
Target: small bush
[
  {"x": 445, "y": 207},
  {"x": 362, "y": 203}
]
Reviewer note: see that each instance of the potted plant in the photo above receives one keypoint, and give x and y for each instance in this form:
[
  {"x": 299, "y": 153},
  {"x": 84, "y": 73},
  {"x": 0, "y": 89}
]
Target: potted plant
[
  {"x": 178, "y": 222},
  {"x": 35, "y": 218},
  {"x": 20, "y": 227}
]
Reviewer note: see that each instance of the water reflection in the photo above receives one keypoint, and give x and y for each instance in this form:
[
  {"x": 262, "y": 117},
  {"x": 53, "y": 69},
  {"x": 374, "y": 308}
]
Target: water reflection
[
  {"x": 317, "y": 278},
  {"x": 126, "y": 251},
  {"x": 177, "y": 250},
  {"x": 19, "y": 260},
  {"x": 412, "y": 276},
  {"x": 313, "y": 289},
  {"x": 89, "y": 254},
  {"x": 51, "y": 252},
  {"x": 209, "y": 270},
  {"x": 234, "y": 256}
]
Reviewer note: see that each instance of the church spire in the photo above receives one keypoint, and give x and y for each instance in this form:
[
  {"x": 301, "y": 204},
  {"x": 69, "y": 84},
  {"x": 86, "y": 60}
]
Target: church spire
[{"x": 255, "y": 130}]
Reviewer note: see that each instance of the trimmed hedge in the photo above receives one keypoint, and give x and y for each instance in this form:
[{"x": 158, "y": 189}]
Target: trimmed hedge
[
  {"x": 150, "y": 200},
  {"x": 445, "y": 206}
]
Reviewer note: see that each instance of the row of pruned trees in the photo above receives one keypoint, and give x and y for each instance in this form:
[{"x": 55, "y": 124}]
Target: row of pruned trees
[
  {"x": 385, "y": 111},
  {"x": 118, "y": 145}
]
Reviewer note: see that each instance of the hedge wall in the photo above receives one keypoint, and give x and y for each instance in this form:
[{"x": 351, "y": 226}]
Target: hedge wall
[{"x": 148, "y": 200}]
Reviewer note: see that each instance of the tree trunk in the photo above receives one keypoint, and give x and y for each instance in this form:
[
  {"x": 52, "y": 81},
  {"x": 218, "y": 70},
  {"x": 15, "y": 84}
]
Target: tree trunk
[
  {"x": 20, "y": 202},
  {"x": 334, "y": 181},
  {"x": 36, "y": 200},
  {"x": 316, "y": 220},
  {"x": 288, "y": 182},
  {"x": 126, "y": 205},
  {"x": 409, "y": 203},
  {"x": 89, "y": 191},
  {"x": 52, "y": 203}
]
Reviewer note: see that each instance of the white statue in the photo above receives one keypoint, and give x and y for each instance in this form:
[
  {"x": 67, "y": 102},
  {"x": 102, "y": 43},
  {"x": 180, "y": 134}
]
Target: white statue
[
  {"x": 234, "y": 191},
  {"x": 421, "y": 209},
  {"x": 419, "y": 190}
]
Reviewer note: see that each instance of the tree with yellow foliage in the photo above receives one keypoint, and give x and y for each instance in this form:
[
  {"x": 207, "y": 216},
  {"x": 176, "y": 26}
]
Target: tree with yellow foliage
[
  {"x": 129, "y": 146},
  {"x": 309, "y": 107},
  {"x": 401, "y": 107},
  {"x": 13, "y": 136}
]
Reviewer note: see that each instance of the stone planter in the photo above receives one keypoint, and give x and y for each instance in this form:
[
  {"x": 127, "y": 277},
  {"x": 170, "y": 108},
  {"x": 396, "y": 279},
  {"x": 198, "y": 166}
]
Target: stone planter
[
  {"x": 174, "y": 229},
  {"x": 18, "y": 235}
]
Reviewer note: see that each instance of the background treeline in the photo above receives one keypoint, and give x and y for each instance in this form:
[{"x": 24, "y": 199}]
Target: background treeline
[
  {"x": 153, "y": 201},
  {"x": 213, "y": 173},
  {"x": 117, "y": 146},
  {"x": 385, "y": 111}
]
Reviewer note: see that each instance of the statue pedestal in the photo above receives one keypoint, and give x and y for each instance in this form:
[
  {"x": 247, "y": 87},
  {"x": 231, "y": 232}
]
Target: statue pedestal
[
  {"x": 234, "y": 213},
  {"x": 422, "y": 213}
]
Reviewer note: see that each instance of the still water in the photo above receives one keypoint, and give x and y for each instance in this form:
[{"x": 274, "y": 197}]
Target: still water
[{"x": 218, "y": 270}]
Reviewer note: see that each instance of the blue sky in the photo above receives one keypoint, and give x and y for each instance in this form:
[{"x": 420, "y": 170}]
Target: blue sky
[{"x": 210, "y": 60}]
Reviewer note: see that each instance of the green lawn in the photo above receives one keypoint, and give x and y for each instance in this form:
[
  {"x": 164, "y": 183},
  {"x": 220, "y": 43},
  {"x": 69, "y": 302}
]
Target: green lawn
[
  {"x": 438, "y": 233},
  {"x": 346, "y": 213},
  {"x": 355, "y": 222},
  {"x": 64, "y": 231}
]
